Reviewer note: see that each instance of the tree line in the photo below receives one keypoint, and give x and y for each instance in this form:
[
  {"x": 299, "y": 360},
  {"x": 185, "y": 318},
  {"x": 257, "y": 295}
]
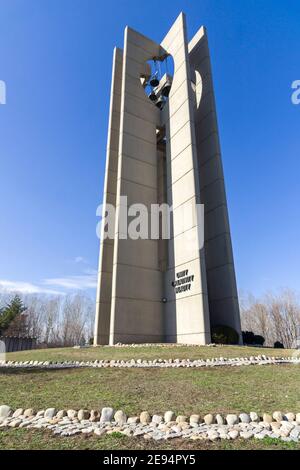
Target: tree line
[
  {"x": 68, "y": 320},
  {"x": 274, "y": 316},
  {"x": 55, "y": 321}
]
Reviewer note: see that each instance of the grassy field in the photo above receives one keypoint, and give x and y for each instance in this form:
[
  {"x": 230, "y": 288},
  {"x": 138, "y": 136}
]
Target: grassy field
[
  {"x": 148, "y": 352},
  {"x": 29, "y": 439},
  {"x": 224, "y": 390},
  {"x": 185, "y": 391}
]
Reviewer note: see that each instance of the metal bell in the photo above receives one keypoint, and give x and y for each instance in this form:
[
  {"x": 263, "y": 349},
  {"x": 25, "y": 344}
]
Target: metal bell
[
  {"x": 160, "y": 102},
  {"x": 152, "y": 96},
  {"x": 154, "y": 82},
  {"x": 166, "y": 88}
]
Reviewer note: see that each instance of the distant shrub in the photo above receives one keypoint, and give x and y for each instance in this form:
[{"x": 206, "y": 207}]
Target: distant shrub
[
  {"x": 278, "y": 345},
  {"x": 258, "y": 339},
  {"x": 248, "y": 337},
  {"x": 222, "y": 334}
]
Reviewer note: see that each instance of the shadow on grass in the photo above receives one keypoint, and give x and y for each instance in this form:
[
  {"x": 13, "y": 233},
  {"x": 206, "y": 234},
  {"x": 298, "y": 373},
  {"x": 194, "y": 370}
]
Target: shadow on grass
[{"x": 36, "y": 371}]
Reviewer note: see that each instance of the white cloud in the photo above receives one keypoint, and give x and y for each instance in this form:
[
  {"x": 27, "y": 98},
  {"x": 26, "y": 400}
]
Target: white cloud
[
  {"x": 80, "y": 259},
  {"x": 25, "y": 288},
  {"x": 80, "y": 282},
  {"x": 53, "y": 286}
]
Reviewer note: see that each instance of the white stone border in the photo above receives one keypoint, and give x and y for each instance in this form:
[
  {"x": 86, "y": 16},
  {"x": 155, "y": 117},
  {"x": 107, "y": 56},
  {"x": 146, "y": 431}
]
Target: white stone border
[
  {"x": 64, "y": 423},
  {"x": 155, "y": 363}
]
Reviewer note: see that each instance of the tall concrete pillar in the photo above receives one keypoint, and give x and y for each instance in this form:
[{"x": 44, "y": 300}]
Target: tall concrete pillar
[
  {"x": 136, "y": 308},
  {"x": 220, "y": 272},
  {"x": 104, "y": 289},
  {"x": 153, "y": 289},
  {"x": 188, "y": 310}
]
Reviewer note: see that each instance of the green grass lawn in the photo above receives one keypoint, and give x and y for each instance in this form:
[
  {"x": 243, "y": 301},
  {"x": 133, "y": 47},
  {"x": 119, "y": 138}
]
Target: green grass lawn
[
  {"x": 147, "y": 352},
  {"x": 19, "y": 439},
  {"x": 224, "y": 390},
  {"x": 185, "y": 391}
]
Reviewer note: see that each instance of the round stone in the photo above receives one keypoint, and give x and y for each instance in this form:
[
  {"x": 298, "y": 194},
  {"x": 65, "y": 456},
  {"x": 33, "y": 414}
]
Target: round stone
[
  {"x": 133, "y": 420},
  {"x": 298, "y": 417},
  {"x": 50, "y": 413},
  {"x": 275, "y": 425},
  {"x": 259, "y": 435},
  {"x": 18, "y": 413},
  {"x": 83, "y": 414},
  {"x": 294, "y": 434},
  {"x": 95, "y": 416},
  {"x": 290, "y": 416},
  {"x": 176, "y": 429},
  {"x": 61, "y": 414},
  {"x": 53, "y": 420},
  {"x": 208, "y": 419},
  {"x": 233, "y": 434},
  {"x": 184, "y": 425},
  {"x": 287, "y": 425},
  {"x": 5, "y": 411},
  {"x": 169, "y": 416},
  {"x": 163, "y": 427},
  {"x": 106, "y": 415},
  {"x": 246, "y": 434},
  {"x": 145, "y": 417},
  {"x": 87, "y": 430},
  {"x": 157, "y": 419},
  {"x": 171, "y": 423},
  {"x": 219, "y": 419},
  {"x": 267, "y": 418},
  {"x": 232, "y": 419},
  {"x": 181, "y": 419},
  {"x": 29, "y": 412},
  {"x": 195, "y": 437},
  {"x": 194, "y": 419},
  {"x": 213, "y": 435},
  {"x": 72, "y": 414},
  {"x": 277, "y": 416},
  {"x": 120, "y": 417},
  {"x": 224, "y": 435},
  {"x": 284, "y": 432},
  {"x": 244, "y": 418},
  {"x": 254, "y": 417},
  {"x": 15, "y": 423}
]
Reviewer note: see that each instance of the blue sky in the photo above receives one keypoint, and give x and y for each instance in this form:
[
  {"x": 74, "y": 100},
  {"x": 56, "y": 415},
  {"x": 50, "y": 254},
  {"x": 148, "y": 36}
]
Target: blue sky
[{"x": 55, "y": 58}]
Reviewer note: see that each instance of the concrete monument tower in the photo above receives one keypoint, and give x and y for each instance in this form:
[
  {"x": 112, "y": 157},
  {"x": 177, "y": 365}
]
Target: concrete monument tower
[{"x": 165, "y": 152}]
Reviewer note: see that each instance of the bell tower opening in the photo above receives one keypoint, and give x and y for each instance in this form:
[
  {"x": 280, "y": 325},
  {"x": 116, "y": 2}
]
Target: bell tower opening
[{"x": 157, "y": 81}]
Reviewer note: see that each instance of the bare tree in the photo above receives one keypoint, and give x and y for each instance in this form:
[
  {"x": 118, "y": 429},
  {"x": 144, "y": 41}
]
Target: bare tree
[
  {"x": 75, "y": 320},
  {"x": 57, "y": 320},
  {"x": 52, "y": 328},
  {"x": 248, "y": 317},
  {"x": 274, "y": 316},
  {"x": 284, "y": 311},
  {"x": 35, "y": 320}
]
